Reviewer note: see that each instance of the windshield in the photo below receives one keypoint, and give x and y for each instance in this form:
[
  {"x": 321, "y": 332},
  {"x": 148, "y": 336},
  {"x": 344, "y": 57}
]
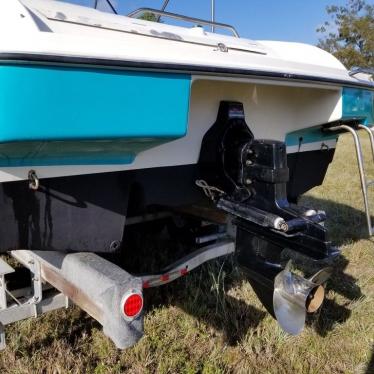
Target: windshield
[
  {"x": 180, "y": 13},
  {"x": 201, "y": 9}
]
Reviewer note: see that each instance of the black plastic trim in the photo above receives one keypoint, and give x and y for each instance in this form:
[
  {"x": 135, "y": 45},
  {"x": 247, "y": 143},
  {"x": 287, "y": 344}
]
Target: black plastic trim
[
  {"x": 307, "y": 170},
  {"x": 182, "y": 68}
]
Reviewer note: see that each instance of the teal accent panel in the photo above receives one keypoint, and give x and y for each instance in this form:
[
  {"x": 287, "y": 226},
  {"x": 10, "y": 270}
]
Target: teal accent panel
[
  {"x": 69, "y": 115},
  {"x": 308, "y": 135},
  {"x": 358, "y": 103},
  {"x": 109, "y": 152}
]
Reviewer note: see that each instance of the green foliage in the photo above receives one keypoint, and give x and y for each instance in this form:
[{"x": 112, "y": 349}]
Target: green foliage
[
  {"x": 349, "y": 35},
  {"x": 148, "y": 16}
]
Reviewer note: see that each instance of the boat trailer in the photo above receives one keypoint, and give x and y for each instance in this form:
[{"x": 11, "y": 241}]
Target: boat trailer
[
  {"x": 114, "y": 297},
  {"x": 108, "y": 293}
]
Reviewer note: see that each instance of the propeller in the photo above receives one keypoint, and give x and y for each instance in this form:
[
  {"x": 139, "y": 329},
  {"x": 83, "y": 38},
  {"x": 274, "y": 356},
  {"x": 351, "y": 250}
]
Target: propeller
[{"x": 295, "y": 296}]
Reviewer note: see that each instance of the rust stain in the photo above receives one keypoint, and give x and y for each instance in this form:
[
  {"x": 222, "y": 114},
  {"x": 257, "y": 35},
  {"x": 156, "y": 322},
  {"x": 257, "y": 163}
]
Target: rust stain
[
  {"x": 207, "y": 212},
  {"x": 72, "y": 292}
]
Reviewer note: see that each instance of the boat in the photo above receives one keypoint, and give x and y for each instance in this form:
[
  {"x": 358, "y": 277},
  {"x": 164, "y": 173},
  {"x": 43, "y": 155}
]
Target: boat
[{"x": 105, "y": 118}]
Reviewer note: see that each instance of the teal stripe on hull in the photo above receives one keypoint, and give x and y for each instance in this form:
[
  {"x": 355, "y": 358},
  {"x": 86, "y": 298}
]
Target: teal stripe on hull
[
  {"x": 308, "y": 135},
  {"x": 60, "y": 116},
  {"x": 358, "y": 103}
]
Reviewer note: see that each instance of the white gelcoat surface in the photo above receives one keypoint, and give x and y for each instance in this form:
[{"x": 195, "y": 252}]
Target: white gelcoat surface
[{"x": 55, "y": 28}]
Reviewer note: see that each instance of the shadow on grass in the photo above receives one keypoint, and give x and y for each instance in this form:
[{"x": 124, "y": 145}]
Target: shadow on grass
[
  {"x": 71, "y": 330},
  {"x": 332, "y": 313},
  {"x": 370, "y": 367},
  {"x": 201, "y": 297},
  {"x": 345, "y": 224}
]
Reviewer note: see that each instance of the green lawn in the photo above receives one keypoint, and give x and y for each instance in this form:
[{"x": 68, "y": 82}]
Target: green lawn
[{"x": 212, "y": 322}]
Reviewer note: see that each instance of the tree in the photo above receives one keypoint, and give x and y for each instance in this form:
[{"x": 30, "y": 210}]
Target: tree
[
  {"x": 149, "y": 16},
  {"x": 349, "y": 35}
]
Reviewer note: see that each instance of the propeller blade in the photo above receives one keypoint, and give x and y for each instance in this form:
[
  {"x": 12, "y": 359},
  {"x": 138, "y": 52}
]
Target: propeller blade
[{"x": 295, "y": 296}]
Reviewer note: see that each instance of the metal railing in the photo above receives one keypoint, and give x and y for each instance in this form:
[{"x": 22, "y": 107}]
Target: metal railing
[
  {"x": 180, "y": 17},
  {"x": 109, "y": 4},
  {"x": 164, "y": 5},
  {"x": 365, "y": 184}
]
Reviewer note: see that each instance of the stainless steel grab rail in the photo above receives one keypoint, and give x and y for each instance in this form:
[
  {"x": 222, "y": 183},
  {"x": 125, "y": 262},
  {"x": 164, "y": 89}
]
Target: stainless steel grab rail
[
  {"x": 181, "y": 17},
  {"x": 164, "y": 5},
  {"x": 365, "y": 184},
  {"x": 109, "y": 3}
]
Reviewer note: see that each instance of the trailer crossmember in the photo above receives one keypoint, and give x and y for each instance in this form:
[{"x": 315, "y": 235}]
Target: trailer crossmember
[
  {"x": 92, "y": 283},
  {"x": 182, "y": 267}
]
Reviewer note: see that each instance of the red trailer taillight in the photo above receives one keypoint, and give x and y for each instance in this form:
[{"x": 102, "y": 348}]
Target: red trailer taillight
[{"x": 132, "y": 305}]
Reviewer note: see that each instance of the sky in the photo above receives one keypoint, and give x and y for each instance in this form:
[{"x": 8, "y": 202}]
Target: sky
[{"x": 286, "y": 20}]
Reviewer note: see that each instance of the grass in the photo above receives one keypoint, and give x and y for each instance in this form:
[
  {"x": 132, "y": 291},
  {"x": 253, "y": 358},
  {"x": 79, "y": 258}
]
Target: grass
[{"x": 212, "y": 322}]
